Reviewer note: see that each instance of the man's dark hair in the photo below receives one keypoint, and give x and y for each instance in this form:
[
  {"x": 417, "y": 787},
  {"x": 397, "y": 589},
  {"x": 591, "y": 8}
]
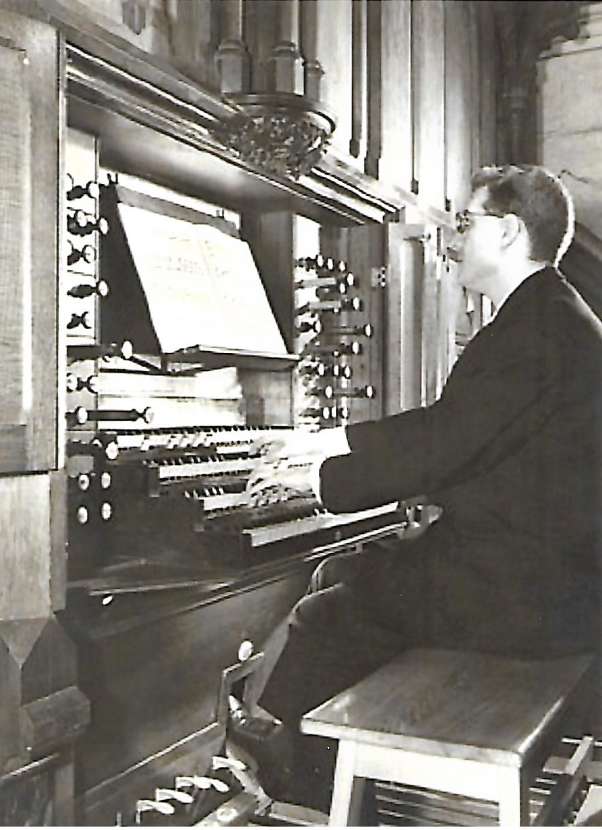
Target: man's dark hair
[{"x": 539, "y": 198}]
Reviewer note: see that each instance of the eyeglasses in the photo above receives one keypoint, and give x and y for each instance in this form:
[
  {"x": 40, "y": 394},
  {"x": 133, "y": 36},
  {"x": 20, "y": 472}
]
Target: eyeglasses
[{"x": 464, "y": 219}]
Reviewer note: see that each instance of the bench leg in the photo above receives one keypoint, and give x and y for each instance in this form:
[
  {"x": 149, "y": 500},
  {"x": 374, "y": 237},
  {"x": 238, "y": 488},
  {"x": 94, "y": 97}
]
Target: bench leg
[
  {"x": 348, "y": 790},
  {"x": 513, "y": 799}
]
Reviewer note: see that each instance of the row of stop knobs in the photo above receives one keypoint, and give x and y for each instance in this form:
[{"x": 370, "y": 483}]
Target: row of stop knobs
[
  {"x": 82, "y": 223},
  {"x": 328, "y": 355}
]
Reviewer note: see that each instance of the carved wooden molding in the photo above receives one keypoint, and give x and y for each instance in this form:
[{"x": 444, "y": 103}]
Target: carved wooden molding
[{"x": 152, "y": 102}]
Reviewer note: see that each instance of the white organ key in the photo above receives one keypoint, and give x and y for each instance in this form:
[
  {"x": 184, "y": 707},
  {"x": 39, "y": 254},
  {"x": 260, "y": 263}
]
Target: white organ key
[
  {"x": 191, "y": 469},
  {"x": 164, "y": 794}
]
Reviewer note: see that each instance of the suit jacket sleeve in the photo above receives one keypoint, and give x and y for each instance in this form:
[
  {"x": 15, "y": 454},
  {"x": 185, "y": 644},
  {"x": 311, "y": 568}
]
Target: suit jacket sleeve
[{"x": 499, "y": 393}]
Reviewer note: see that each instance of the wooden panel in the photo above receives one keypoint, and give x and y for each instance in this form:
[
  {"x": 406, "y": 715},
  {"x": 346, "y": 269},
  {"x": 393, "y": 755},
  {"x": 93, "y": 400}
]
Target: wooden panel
[
  {"x": 430, "y": 319},
  {"x": 357, "y": 145},
  {"x": 335, "y": 55},
  {"x": 374, "y": 90},
  {"x": 366, "y": 252},
  {"x": 428, "y": 51},
  {"x": 193, "y": 38},
  {"x": 396, "y": 161},
  {"x": 270, "y": 236},
  {"x": 15, "y": 275},
  {"x": 482, "y": 25},
  {"x": 58, "y": 534},
  {"x": 394, "y": 368},
  {"x": 25, "y": 534},
  {"x": 411, "y": 324},
  {"x": 459, "y": 104},
  {"x": 30, "y": 149},
  {"x": 183, "y": 642}
]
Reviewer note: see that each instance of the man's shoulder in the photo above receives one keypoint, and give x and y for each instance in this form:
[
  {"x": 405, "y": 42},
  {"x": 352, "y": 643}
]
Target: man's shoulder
[{"x": 571, "y": 317}]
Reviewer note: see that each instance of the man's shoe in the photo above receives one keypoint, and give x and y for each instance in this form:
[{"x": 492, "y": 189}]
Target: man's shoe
[{"x": 248, "y": 729}]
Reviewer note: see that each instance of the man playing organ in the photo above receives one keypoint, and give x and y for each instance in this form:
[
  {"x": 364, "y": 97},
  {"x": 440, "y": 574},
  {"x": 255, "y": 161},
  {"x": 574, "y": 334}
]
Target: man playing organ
[{"x": 510, "y": 452}]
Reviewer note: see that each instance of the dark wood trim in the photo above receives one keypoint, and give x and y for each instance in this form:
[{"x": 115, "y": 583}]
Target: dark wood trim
[
  {"x": 374, "y": 89},
  {"x": 95, "y": 804},
  {"x": 335, "y": 190}
]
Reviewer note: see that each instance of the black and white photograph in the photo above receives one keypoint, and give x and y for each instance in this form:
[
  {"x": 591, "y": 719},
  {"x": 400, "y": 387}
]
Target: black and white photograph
[{"x": 300, "y": 413}]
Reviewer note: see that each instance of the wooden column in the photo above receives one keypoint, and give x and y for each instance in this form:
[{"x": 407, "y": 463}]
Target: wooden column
[
  {"x": 232, "y": 56},
  {"x": 312, "y": 68},
  {"x": 286, "y": 60},
  {"x": 396, "y": 159},
  {"x": 428, "y": 65},
  {"x": 357, "y": 145},
  {"x": 375, "y": 112}
]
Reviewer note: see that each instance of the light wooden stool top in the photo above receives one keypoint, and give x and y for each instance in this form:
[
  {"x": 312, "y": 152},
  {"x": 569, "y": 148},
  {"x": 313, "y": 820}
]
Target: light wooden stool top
[
  {"x": 451, "y": 708},
  {"x": 471, "y": 706}
]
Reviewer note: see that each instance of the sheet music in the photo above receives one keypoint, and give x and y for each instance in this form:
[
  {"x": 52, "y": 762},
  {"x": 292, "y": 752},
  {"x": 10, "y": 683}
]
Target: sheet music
[{"x": 202, "y": 285}]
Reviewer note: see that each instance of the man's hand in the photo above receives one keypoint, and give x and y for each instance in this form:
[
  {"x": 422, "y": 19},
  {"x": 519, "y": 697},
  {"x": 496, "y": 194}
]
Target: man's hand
[
  {"x": 275, "y": 479},
  {"x": 289, "y": 463}
]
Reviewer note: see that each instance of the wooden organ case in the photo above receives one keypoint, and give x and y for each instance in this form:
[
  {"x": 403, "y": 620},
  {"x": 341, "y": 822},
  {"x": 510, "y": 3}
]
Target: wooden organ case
[
  {"x": 173, "y": 577},
  {"x": 170, "y": 584}
]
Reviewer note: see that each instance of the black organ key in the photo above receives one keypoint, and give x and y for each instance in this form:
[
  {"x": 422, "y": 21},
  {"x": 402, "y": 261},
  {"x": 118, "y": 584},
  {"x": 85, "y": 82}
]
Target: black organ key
[
  {"x": 335, "y": 370},
  {"x": 317, "y": 306},
  {"x": 93, "y": 351},
  {"x": 323, "y": 412},
  {"x": 77, "y": 416},
  {"x": 77, "y": 191},
  {"x": 77, "y": 221},
  {"x": 83, "y": 290},
  {"x": 80, "y": 224},
  {"x": 314, "y": 326},
  {"x": 77, "y": 384},
  {"x": 87, "y": 253},
  {"x": 334, "y": 349},
  {"x": 145, "y": 414},
  {"x": 367, "y": 391},
  {"x": 77, "y": 320},
  {"x": 102, "y": 446},
  {"x": 366, "y": 330}
]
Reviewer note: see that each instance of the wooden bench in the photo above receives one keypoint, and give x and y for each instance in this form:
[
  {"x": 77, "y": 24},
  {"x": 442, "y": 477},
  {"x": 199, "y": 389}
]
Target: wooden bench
[{"x": 469, "y": 724}]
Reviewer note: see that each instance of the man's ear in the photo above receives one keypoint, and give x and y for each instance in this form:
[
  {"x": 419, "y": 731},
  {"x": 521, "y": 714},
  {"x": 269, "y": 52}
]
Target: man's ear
[{"x": 513, "y": 226}]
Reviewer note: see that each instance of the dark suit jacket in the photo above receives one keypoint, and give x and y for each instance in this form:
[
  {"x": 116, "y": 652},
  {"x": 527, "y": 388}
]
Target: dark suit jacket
[{"x": 512, "y": 452}]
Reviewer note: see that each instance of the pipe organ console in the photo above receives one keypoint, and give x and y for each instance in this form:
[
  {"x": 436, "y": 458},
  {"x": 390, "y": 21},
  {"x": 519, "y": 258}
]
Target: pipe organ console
[{"x": 175, "y": 580}]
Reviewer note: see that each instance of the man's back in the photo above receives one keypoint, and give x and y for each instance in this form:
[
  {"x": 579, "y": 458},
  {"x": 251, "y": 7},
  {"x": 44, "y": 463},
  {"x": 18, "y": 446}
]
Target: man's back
[{"x": 525, "y": 512}]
